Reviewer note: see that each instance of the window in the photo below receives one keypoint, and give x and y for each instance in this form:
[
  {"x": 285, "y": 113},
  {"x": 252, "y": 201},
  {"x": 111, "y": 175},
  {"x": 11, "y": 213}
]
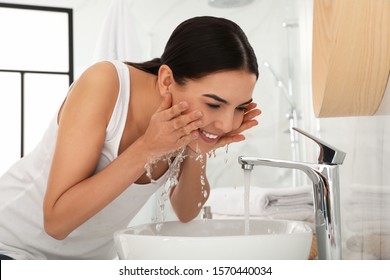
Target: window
[{"x": 36, "y": 69}]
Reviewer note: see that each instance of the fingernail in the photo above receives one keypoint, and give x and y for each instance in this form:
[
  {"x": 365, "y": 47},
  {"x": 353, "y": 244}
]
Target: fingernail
[{"x": 183, "y": 105}]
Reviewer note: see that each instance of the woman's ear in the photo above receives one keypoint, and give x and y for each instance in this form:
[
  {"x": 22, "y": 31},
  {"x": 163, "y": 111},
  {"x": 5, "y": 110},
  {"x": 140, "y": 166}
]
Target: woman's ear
[{"x": 165, "y": 78}]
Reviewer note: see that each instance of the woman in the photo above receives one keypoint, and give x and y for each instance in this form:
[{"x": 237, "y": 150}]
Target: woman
[{"x": 87, "y": 177}]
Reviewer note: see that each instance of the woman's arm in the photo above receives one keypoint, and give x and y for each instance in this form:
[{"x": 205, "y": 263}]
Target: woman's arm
[
  {"x": 193, "y": 189},
  {"x": 74, "y": 193}
]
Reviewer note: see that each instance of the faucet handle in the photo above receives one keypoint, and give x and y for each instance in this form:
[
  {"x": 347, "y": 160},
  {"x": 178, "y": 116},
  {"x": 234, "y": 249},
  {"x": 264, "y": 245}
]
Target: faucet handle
[{"x": 328, "y": 154}]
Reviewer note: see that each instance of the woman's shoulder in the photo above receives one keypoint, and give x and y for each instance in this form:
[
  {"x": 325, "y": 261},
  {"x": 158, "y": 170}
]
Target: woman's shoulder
[
  {"x": 95, "y": 90},
  {"x": 101, "y": 73},
  {"x": 100, "y": 80}
]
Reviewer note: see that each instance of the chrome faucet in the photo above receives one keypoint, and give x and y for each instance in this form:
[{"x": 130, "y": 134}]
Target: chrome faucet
[{"x": 326, "y": 193}]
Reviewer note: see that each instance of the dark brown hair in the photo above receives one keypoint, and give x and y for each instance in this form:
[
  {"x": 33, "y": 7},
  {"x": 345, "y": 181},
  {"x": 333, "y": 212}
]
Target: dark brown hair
[{"x": 202, "y": 45}]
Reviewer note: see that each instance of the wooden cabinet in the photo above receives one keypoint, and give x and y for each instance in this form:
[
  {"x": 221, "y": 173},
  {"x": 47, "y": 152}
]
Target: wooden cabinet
[{"x": 351, "y": 56}]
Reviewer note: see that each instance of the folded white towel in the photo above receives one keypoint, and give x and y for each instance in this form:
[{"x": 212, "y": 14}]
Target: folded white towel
[{"x": 277, "y": 203}]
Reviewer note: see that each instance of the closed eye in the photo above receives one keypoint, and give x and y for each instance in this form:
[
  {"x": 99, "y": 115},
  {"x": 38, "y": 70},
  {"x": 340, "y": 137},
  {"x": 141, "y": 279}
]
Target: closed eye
[
  {"x": 216, "y": 106},
  {"x": 213, "y": 105}
]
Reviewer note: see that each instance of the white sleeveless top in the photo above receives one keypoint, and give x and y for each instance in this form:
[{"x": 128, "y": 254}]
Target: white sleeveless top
[{"x": 22, "y": 189}]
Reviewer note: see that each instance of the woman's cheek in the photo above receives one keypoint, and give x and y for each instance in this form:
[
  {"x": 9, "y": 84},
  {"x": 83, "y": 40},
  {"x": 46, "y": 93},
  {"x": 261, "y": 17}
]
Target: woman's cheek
[{"x": 238, "y": 121}]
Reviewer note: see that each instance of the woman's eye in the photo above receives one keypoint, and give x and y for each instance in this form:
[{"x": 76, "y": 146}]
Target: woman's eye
[
  {"x": 241, "y": 109},
  {"x": 213, "y": 105}
]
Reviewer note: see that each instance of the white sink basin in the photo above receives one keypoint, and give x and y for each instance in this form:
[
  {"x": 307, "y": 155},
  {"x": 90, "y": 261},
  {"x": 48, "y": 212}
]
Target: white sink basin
[{"x": 216, "y": 239}]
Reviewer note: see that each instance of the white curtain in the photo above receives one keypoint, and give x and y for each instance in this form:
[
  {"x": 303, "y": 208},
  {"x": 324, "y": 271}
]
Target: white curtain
[{"x": 118, "y": 38}]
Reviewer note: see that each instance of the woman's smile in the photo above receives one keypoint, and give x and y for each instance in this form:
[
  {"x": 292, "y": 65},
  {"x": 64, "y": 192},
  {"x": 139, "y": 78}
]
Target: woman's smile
[{"x": 208, "y": 137}]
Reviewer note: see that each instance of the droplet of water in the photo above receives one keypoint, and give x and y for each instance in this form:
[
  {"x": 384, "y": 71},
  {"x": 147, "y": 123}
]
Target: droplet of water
[
  {"x": 202, "y": 180},
  {"x": 211, "y": 154},
  {"x": 149, "y": 168},
  {"x": 159, "y": 226},
  {"x": 226, "y": 159}
]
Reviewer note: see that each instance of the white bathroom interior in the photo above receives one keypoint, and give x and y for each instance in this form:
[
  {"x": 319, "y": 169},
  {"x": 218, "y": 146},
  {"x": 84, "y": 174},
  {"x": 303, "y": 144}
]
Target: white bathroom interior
[{"x": 280, "y": 32}]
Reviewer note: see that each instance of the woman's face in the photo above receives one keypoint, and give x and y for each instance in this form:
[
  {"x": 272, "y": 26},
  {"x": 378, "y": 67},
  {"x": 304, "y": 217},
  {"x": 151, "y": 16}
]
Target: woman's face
[{"x": 221, "y": 97}]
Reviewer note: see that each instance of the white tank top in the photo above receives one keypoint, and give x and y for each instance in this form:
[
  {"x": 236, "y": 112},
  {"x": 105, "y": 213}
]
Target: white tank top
[{"x": 22, "y": 189}]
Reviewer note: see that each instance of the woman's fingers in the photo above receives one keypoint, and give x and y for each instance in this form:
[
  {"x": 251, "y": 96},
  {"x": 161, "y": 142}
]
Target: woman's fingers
[
  {"x": 248, "y": 122},
  {"x": 172, "y": 111},
  {"x": 231, "y": 139},
  {"x": 250, "y": 106},
  {"x": 172, "y": 127},
  {"x": 169, "y": 112},
  {"x": 251, "y": 114},
  {"x": 188, "y": 121},
  {"x": 187, "y": 138}
]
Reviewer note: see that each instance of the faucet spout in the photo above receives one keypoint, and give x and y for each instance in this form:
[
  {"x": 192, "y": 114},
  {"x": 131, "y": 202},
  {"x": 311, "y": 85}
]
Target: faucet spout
[
  {"x": 326, "y": 200},
  {"x": 249, "y": 162}
]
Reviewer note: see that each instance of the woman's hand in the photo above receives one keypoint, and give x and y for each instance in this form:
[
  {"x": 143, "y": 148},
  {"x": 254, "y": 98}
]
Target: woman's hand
[
  {"x": 251, "y": 112},
  {"x": 169, "y": 129}
]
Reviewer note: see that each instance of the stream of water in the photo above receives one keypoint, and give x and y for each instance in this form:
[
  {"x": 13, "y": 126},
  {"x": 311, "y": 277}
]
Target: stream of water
[{"x": 247, "y": 183}]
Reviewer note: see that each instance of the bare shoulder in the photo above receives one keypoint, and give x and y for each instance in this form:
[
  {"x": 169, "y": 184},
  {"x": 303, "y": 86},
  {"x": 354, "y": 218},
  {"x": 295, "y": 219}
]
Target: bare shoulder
[
  {"x": 101, "y": 72},
  {"x": 95, "y": 90},
  {"x": 101, "y": 76}
]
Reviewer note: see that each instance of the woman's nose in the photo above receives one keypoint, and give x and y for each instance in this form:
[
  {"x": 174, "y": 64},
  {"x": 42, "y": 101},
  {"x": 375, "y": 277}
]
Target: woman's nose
[{"x": 225, "y": 124}]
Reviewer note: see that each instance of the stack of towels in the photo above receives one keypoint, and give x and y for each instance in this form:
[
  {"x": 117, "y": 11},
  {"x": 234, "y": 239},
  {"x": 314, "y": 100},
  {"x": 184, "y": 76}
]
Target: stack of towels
[
  {"x": 367, "y": 221},
  {"x": 273, "y": 203}
]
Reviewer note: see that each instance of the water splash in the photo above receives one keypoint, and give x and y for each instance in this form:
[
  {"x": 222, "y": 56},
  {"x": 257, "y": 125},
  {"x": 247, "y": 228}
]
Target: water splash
[
  {"x": 211, "y": 154},
  {"x": 173, "y": 174},
  {"x": 201, "y": 159},
  {"x": 159, "y": 226},
  {"x": 226, "y": 153},
  {"x": 149, "y": 168}
]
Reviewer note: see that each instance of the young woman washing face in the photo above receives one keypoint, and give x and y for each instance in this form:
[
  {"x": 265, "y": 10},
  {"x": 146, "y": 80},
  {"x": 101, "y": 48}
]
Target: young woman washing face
[{"x": 86, "y": 179}]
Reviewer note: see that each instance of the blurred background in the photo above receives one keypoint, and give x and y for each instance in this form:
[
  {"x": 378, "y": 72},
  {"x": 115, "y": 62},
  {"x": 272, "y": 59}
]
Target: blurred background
[{"x": 43, "y": 49}]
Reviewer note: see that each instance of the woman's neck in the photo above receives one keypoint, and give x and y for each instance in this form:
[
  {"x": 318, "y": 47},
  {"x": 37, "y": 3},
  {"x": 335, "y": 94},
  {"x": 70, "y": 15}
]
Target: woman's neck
[{"x": 145, "y": 98}]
